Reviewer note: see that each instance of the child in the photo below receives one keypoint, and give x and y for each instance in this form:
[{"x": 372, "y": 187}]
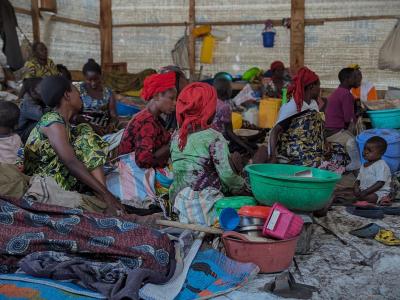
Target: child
[
  {"x": 10, "y": 142},
  {"x": 223, "y": 116},
  {"x": 32, "y": 107},
  {"x": 373, "y": 181}
]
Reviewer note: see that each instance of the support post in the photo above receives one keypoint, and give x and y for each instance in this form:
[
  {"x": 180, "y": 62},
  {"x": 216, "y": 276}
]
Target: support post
[
  {"x": 192, "y": 39},
  {"x": 297, "y": 35},
  {"x": 35, "y": 20},
  {"x": 106, "y": 32}
]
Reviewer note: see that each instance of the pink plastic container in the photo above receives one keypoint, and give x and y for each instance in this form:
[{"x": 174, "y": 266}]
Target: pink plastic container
[{"x": 282, "y": 223}]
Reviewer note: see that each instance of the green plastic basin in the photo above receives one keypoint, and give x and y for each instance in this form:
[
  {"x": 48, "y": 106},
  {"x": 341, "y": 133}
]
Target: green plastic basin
[
  {"x": 272, "y": 183},
  {"x": 235, "y": 202}
]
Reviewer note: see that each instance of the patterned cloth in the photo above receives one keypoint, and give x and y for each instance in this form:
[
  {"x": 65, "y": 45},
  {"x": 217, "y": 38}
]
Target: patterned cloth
[
  {"x": 27, "y": 227},
  {"x": 144, "y": 135},
  {"x": 223, "y": 115},
  {"x": 271, "y": 90},
  {"x": 92, "y": 104},
  {"x": 41, "y": 158},
  {"x": 203, "y": 163},
  {"x": 303, "y": 142},
  {"x": 34, "y": 69}
]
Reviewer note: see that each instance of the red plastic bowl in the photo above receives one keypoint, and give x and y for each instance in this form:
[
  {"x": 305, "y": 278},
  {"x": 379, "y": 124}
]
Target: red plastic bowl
[
  {"x": 270, "y": 256},
  {"x": 261, "y": 212}
]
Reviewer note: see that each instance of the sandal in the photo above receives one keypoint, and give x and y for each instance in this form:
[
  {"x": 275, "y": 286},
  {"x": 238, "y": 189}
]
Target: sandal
[
  {"x": 366, "y": 212},
  {"x": 368, "y": 231},
  {"x": 387, "y": 238}
]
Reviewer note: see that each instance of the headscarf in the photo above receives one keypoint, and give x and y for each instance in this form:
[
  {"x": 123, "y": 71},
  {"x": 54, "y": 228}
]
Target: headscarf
[
  {"x": 157, "y": 83},
  {"x": 276, "y": 65},
  {"x": 195, "y": 106},
  {"x": 303, "y": 78},
  {"x": 354, "y": 66}
]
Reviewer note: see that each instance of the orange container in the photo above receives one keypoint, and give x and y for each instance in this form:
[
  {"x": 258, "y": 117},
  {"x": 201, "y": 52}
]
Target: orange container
[
  {"x": 269, "y": 112},
  {"x": 261, "y": 212},
  {"x": 269, "y": 256},
  {"x": 207, "y": 49}
]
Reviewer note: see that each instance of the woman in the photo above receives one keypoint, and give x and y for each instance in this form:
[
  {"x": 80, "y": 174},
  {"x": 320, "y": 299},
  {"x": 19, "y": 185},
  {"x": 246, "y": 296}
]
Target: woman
[
  {"x": 278, "y": 80},
  {"x": 365, "y": 90},
  {"x": 200, "y": 157},
  {"x": 69, "y": 155},
  {"x": 144, "y": 145},
  {"x": 32, "y": 107},
  {"x": 298, "y": 134},
  {"x": 40, "y": 65},
  {"x": 95, "y": 97}
]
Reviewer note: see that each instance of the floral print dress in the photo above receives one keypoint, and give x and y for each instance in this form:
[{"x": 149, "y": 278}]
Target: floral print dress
[{"x": 41, "y": 159}]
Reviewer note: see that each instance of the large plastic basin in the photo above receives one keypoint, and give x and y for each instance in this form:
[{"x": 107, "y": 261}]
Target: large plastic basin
[
  {"x": 388, "y": 118},
  {"x": 271, "y": 183}
]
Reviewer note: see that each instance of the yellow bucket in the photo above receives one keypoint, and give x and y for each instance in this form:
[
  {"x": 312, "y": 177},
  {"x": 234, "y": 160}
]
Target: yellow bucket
[
  {"x": 201, "y": 30},
  {"x": 269, "y": 112},
  {"x": 237, "y": 120},
  {"x": 207, "y": 49}
]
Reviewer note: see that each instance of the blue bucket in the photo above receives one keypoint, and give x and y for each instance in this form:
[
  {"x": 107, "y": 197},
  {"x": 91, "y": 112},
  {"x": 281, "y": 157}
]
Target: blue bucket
[
  {"x": 126, "y": 110},
  {"x": 268, "y": 39},
  {"x": 229, "y": 219}
]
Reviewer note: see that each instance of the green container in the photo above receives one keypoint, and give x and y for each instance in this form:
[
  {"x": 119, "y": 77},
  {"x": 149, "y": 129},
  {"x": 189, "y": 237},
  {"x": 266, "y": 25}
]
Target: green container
[
  {"x": 272, "y": 183},
  {"x": 388, "y": 118},
  {"x": 235, "y": 202}
]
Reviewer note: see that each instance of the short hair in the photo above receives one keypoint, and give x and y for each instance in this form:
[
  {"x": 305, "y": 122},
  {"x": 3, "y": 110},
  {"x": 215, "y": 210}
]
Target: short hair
[
  {"x": 53, "y": 88},
  {"x": 29, "y": 84},
  {"x": 223, "y": 87},
  {"x": 378, "y": 142},
  {"x": 9, "y": 114},
  {"x": 64, "y": 71},
  {"x": 345, "y": 74},
  {"x": 91, "y": 66}
]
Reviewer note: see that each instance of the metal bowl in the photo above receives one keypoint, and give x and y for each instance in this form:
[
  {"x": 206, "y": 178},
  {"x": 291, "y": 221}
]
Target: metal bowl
[
  {"x": 251, "y": 221},
  {"x": 255, "y": 231}
]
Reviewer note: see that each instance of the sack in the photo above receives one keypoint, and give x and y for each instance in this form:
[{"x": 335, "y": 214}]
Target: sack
[
  {"x": 180, "y": 53},
  {"x": 389, "y": 54}
]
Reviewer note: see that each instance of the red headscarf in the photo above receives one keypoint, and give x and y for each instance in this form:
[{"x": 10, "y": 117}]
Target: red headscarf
[
  {"x": 195, "y": 106},
  {"x": 276, "y": 65},
  {"x": 303, "y": 78},
  {"x": 157, "y": 83}
]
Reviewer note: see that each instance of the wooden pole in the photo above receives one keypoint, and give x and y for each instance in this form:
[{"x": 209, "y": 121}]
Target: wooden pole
[
  {"x": 35, "y": 20},
  {"x": 192, "y": 38},
  {"x": 297, "y": 35},
  {"x": 106, "y": 32}
]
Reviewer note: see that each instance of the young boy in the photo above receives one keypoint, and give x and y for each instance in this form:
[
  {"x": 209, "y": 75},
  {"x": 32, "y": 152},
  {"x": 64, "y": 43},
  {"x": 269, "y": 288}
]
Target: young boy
[
  {"x": 373, "y": 181},
  {"x": 10, "y": 142}
]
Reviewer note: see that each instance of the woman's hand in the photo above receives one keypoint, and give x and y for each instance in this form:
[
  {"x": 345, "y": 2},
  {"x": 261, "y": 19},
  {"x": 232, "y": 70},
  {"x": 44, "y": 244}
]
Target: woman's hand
[{"x": 114, "y": 206}]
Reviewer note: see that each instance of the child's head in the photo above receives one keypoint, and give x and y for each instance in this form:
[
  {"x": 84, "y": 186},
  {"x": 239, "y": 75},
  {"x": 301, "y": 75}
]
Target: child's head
[
  {"x": 374, "y": 148},
  {"x": 223, "y": 87},
  {"x": 31, "y": 87},
  {"x": 9, "y": 115}
]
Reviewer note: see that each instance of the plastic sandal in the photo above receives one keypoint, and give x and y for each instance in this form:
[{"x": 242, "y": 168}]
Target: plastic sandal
[
  {"x": 395, "y": 211},
  {"x": 367, "y": 232},
  {"x": 363, "y": 204},
  {"x": 387, "y": 238},
  {"x": 366, "y": 212}
]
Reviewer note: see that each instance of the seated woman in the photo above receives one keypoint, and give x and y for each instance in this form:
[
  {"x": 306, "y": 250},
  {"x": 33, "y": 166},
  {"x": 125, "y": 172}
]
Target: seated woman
[
  {"x": 40, "y": 65},
  {"x": 32, "y": 107},
  {"x": 273, "y": 85},
  {"x": 299, "y": 132},
  {"x": 200, "y": 157},
  {"x": 98, "y": 101},
  {"x": 68, "y": 154},
  {"x": 145, "y": 144}
]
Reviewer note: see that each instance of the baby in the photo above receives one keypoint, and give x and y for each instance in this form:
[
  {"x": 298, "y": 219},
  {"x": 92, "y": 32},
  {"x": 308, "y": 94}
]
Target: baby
[
  {"x": 10, "y": 142},
  {"x": 373, "y": 181}
]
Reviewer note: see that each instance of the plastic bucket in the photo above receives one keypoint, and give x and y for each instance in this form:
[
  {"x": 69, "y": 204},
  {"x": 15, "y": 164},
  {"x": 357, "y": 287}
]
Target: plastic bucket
[
  {"x": 269, "y": 256},
  {"x": 269, "y": 112},
  {"x": 237, "y": 120},
  {"x": 235, "y": 202},
  {"x": 388, "y": 118},
  {"x": 229, "y": 219},
  {"x": 268, "y": 39},
  {"x": 207, "y": 49}
]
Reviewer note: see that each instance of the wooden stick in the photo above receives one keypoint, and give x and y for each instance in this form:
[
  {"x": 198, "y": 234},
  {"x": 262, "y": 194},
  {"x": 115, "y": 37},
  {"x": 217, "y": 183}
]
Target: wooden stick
[
  {"x": 297, "y": 35},
  {"x": 192, "y": 38},
  {"x": 193, "y": 227},
  {"x": 35, "y": 20},
  {"x": 106, "y": 32}
]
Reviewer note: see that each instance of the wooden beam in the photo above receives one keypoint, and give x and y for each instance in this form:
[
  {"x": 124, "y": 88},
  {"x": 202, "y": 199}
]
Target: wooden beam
[
  {"x": 192, "y": 39},
  {"x": 297, "y": 34},
  {"x": 106, "y": 32},
  {"x": 25, "y": 11},
  {"x": 166, "y": 24},
  {"x": 35, "y": 20}
]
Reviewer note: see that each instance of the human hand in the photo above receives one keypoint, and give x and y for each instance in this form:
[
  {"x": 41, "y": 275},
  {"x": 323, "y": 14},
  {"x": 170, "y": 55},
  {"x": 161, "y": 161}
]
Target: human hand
[
  {"x": 114, "y": 206},
  {"x": 357, "y": 191}
]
